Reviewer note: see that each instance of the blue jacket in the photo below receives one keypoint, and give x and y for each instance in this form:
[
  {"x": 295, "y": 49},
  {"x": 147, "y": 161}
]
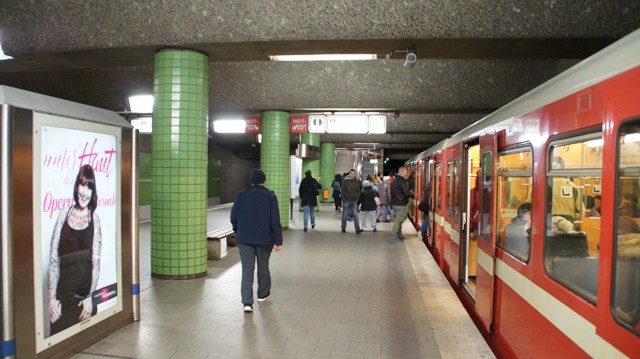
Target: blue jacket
[{"x": 255, "y": 217}]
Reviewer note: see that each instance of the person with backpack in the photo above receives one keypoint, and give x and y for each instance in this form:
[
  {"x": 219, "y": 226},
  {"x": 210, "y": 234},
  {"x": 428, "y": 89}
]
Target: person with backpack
[
  {"x": 424, "y": 207},
  {"x": 309, "y": 191},
  {"x": 336, "y": 184},
  {"x": 368, "y": 205},
  {"x": 384, "y": 194},
  {"x": 400, "y": 196}
]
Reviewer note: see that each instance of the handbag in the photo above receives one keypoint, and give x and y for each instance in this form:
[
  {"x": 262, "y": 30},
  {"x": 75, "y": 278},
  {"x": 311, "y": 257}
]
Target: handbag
[
  {"x": 315, "y": 190},
  {"x": 424, "y": 205},
  {"x": 377, "y": 200}
]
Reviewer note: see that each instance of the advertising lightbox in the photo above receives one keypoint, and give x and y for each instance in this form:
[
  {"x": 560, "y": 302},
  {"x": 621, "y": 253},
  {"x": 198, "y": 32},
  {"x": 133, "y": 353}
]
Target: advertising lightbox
[{"x": 77, "y": 231}]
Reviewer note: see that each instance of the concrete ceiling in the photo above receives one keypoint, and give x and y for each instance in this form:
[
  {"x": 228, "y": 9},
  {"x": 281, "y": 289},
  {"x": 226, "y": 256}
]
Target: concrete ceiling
[{"x": 474, "y": 56}]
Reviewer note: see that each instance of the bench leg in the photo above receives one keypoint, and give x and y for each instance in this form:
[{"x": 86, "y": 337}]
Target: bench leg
[{"x": 216, "y": 249}]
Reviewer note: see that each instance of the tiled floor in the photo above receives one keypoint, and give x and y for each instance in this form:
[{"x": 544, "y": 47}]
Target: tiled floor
[{"x": 334, "y": 295}]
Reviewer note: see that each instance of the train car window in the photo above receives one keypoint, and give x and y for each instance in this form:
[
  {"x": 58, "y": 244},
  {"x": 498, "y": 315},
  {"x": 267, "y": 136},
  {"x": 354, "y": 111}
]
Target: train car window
[
  {"x": 487, "y": 172},
  {"x": 626, "y": 285},
  {"x": 456, "y": 191},
  {"x": 449, "y": 189},
  {"x": 514, "y": 202},
  {"x": 436, "y": 186},
  {"x": 572, "y": 236}
]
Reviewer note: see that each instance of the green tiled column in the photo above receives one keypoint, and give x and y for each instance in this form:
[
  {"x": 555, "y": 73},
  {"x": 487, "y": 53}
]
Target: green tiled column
[
  {"x": 274, "y": 158},
  {"x": 328, "y": 168},
  {"x": 179, "y": 165},
  {"x": 312, "y": 164}
]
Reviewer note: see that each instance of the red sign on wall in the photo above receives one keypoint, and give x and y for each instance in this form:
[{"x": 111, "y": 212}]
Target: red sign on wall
[
  {"x": 253, "y": 124},
  {"x": 298, "y": 124}
]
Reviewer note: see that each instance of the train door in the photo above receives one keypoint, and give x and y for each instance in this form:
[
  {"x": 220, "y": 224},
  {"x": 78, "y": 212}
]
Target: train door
[
  {"x": 486, "y": 249},
  {"x": 438, "y": 217},
  {"x": 471, "y": 218},
  {"x": 431, "y": 193}
]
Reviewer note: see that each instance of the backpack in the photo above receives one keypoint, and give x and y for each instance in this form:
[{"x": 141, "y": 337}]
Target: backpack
[{"x": 336, "y": 185}]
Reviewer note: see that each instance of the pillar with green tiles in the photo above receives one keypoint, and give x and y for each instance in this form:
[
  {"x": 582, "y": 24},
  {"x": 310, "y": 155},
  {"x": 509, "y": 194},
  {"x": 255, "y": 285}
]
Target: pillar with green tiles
[
  {"x": 179, "y": 165},
  {"x": 328, "y": 168},
  {"x": 313, "y": 164},
  {"x": 274, "y": 158}
]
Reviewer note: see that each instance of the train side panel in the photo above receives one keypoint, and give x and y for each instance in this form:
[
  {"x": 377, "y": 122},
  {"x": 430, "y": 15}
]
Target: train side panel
[{"x": 536, "y": 315}]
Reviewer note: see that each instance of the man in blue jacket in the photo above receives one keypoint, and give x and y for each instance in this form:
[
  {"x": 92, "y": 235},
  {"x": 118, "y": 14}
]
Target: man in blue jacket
[{"x": 256, "y": 222}]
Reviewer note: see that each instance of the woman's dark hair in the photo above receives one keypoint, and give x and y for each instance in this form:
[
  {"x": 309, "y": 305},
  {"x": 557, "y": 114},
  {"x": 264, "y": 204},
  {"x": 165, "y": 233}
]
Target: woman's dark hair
[
  {"x": 86, "y": 177},
  {"x": 630, "y": 197},
  {"x": 524, "y": 208},
  {"x": 337, "y": 176},
  {"x": 308, "y": 173}
]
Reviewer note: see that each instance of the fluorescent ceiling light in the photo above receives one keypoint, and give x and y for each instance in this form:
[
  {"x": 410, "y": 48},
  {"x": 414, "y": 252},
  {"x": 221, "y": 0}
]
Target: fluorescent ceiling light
[
  {"x": 229, "y": 126},
  {"x": 632, "y": 137},
  {"x": 3, "y": 56},
  {"x": 141, "y": 103},
  {"x": 324, "y": 57},
  {"x": 595, "y": 143}
]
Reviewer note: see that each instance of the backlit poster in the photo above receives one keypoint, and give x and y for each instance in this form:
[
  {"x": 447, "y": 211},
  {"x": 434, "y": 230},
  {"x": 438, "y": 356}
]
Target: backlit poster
[{"x": 77, "y": 226}]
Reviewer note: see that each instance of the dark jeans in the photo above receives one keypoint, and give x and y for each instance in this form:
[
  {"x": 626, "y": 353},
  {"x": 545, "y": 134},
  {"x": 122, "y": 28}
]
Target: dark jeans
[
  {"x": 249, "y": 254},
  {"x": 349, "y": 209}
]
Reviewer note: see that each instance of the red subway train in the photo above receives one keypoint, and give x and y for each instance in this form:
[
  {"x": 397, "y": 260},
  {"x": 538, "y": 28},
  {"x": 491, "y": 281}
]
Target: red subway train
[{"x": 534, "y": 216}]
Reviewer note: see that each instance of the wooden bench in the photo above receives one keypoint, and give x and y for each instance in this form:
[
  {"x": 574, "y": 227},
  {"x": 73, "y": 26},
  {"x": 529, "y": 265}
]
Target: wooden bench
[{"x": 217, "y": 242}]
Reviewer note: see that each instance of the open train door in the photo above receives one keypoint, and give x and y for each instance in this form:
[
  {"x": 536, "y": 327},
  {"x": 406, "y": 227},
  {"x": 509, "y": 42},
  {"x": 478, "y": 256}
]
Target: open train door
[{"x": 486, "y": 243}]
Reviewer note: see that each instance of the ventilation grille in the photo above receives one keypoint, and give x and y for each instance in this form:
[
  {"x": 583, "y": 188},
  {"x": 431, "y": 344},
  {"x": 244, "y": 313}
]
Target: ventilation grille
[{"x": 584, "y": 102}]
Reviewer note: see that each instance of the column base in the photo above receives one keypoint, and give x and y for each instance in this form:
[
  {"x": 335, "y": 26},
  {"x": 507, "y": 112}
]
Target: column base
[{"x": 179, "y": 276}]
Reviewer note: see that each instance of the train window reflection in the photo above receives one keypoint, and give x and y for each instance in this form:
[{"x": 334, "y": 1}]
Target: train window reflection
[
  {"x": 515, "y": 203},
  {"x": 487, "y": 173},
  {"x": 572, "y": 237},
  {"x": 455, "y": 203},
  {"x": 449, "y": 189},
  {"x": 626, "y": 291},
  {"x": 436, "y": 187}
]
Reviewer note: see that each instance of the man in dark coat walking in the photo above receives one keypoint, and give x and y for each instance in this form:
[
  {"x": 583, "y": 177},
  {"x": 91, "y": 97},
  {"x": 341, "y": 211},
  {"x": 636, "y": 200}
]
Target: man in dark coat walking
[
  {"x": 400, "y": 195},
  {"x": 351, "y": 188},
  {"x": 255, "y": 217},
  {"x": 309, "y": 191}
]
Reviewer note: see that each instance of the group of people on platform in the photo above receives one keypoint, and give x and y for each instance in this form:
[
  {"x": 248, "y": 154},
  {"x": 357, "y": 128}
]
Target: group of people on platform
[
  {"x": 255, "y": 218},
  {"x": 375, "y": 199}
]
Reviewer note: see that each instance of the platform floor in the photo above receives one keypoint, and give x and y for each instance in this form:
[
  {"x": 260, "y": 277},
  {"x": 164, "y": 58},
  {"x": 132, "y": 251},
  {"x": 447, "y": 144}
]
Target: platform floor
[{"x": 334, "y": 296}]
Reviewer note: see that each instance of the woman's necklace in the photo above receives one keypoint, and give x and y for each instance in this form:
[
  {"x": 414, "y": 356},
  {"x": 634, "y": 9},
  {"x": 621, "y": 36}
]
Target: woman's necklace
[
  {"x": 80, "y": 215},
  {"x": 79, "y": 220}
]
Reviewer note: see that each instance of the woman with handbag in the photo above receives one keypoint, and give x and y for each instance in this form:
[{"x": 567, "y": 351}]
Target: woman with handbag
[
  {"x": 309, "y": 191},
  {"x": 424, "y": 207}
]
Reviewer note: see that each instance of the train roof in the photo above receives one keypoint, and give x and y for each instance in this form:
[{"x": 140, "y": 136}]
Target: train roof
[
  {"x": 621, "y": 56},
  {"x": 431, "y": 150}
]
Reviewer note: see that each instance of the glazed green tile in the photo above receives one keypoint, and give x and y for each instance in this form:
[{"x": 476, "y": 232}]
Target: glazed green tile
[
  {"x": 179, "y": 138},
  {"x": 274, "y": 158},
  {"x": 327, "y": 168}
]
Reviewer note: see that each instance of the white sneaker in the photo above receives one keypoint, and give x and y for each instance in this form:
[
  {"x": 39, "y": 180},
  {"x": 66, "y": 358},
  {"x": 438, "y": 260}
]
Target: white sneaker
[
  {"x": 265, "y": 298},
  {"x": 248, "y": 309}
]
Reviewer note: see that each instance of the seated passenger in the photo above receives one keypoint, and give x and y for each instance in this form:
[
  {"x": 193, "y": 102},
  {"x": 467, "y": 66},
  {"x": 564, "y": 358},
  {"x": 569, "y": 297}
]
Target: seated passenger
[
  {"x": 627, "y": 225},
  {"x": 518, "y": 232},
  {"x": 629, "y": 206},
  {"x": 595, "y": 210}
]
